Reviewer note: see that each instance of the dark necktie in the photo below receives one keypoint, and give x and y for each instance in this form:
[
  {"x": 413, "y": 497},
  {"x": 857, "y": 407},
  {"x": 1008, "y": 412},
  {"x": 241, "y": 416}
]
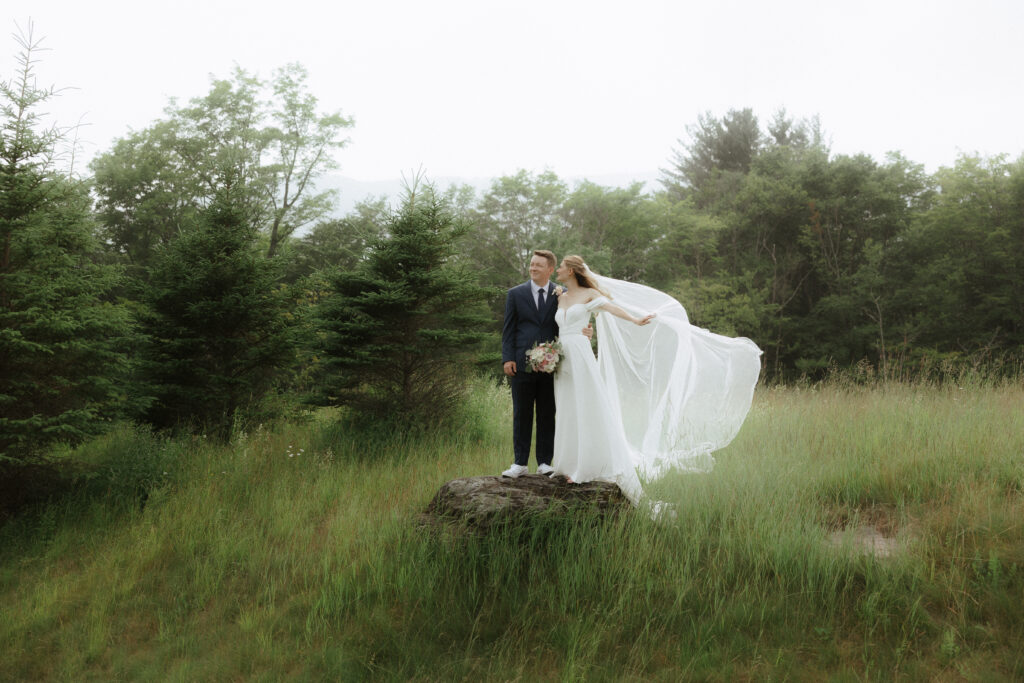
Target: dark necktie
[{"x": 540, "y": 299}]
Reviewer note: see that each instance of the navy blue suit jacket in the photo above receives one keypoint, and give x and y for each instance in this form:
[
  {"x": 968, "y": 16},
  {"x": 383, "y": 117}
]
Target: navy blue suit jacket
[{"x": 525, "y": 325}]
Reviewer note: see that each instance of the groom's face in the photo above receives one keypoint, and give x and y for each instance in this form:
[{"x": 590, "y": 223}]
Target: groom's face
[{"x": 540, "y": 269}]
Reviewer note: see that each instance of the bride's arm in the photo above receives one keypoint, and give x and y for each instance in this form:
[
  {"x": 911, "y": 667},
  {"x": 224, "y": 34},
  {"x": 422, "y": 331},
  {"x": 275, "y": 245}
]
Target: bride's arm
[{"x": 620, "y": 312}]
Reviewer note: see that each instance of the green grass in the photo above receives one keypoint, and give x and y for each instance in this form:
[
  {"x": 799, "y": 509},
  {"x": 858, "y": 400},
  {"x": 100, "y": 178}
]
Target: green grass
[{"x": 294, "y": 552}]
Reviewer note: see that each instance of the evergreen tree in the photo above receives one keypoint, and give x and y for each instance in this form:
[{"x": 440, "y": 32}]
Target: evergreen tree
[
  {"x": 400, "y": 333},
  {"x": 218, "y": 327},
  {"x": 720, "y": 152},
  {"x": 62, "y": 342}
]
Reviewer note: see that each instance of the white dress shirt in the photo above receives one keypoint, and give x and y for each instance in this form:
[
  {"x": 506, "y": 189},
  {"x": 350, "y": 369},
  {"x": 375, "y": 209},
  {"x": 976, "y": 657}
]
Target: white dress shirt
[{"x": 537, "y": 288}]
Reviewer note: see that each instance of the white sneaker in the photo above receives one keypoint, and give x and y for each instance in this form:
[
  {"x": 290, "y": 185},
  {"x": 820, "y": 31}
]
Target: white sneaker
[
  {"x": 515, "y": 471},
  {"x": 546, "y": 470}
]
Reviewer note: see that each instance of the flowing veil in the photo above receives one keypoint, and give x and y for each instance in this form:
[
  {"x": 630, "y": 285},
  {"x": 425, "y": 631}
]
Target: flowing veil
[{"x": 681, "y": 390}]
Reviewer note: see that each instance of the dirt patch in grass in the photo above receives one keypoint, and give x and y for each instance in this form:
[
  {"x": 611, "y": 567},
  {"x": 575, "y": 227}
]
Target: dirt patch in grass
[{"x": 871, "y": 529}]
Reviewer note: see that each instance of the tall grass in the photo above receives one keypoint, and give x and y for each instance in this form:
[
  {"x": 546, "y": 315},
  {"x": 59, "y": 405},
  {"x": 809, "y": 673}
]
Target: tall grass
[{"x": 296, "y": 552}]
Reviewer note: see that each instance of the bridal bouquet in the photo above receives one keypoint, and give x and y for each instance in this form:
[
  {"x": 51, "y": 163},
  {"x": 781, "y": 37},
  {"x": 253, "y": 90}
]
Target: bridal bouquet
[{"x": 544, "y": 357}]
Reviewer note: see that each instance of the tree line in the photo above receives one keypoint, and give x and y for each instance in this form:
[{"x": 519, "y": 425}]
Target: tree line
[{"x": 196, "y": 279}]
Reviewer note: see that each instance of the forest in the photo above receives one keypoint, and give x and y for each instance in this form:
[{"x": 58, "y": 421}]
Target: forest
[
  {"x": 223, "y": 409},
  {"x": 195, "y": 276}
]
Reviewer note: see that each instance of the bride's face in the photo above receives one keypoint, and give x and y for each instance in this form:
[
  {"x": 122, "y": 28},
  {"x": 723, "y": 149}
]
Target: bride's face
[{"x": 563, "y": 272}]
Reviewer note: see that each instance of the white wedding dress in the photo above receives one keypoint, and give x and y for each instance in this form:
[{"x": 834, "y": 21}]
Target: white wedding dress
[
  {"x": 590, "y": 444},
  {"x": 658, "y": 397}
]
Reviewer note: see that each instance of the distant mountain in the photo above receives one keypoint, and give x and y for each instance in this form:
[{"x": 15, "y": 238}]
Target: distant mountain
[{"x": 351, "y": 191}]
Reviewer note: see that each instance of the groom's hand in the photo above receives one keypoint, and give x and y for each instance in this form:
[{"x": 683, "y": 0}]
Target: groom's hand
[
  {"x": 510, "y": 368},
  {"x": 588, "y": 331}
]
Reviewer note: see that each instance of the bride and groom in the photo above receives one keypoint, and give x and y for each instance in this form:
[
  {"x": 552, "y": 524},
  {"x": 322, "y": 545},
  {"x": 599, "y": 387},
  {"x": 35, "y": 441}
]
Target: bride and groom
[{"x": 662, "y": 394}]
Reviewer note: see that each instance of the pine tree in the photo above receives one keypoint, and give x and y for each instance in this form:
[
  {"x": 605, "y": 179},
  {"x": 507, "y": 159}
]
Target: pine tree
[
  {"x": 401, "y": 332},
  {"x": 218, "y": 325},
  {"x": 62, "y": 341}
]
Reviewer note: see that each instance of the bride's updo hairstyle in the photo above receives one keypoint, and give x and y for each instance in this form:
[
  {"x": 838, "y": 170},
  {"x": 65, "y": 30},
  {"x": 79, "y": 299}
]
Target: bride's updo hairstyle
[{"x": 582, "y": 274}]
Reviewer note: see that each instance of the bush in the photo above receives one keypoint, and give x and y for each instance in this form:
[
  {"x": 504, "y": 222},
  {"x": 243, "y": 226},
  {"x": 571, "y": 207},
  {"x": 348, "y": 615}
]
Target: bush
[{"x": 127, "y": 463}]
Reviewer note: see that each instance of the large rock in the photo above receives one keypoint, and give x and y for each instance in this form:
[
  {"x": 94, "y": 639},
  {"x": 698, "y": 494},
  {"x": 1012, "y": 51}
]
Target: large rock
[{"x": 482, "y": 501}]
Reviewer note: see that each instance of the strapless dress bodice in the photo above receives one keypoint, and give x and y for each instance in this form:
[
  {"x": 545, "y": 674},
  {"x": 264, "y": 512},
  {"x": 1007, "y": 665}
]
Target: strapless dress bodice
[
  {"x": 567, "y": 319},
  {"x": 572, "y": 319}
]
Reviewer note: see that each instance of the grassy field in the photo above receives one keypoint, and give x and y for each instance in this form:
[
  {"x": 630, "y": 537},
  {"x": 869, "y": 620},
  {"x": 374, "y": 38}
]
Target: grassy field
[{"x": 294, "y": 553}]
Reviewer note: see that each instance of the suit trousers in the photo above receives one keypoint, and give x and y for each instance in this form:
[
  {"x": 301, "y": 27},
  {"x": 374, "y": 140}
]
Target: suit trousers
[{"x": 530, "y": 391}]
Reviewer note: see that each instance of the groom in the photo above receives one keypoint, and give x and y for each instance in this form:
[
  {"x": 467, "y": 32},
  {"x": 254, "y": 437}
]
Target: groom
[{"x": 529, "y": 319}]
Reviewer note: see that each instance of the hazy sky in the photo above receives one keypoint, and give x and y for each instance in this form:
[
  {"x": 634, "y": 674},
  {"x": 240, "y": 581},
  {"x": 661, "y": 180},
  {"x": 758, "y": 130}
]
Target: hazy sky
[{"x": 479, "y": 88}]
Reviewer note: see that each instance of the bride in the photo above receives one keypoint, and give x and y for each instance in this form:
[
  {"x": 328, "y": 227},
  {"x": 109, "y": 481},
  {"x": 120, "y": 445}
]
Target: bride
[{"x": 661, "y": 395}]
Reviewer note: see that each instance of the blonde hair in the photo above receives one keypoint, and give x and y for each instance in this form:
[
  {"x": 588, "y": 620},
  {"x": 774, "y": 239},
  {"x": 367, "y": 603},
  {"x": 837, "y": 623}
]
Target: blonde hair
[{"x": 579, "y": 269}]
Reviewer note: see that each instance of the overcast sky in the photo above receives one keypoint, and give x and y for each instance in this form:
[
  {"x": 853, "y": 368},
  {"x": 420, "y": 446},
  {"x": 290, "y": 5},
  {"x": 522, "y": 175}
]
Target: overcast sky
[{"x": 479, "y": 88}]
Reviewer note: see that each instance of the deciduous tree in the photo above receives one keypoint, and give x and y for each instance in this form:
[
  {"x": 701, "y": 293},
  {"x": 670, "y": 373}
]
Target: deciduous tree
[{"x": 257, "y": 145}]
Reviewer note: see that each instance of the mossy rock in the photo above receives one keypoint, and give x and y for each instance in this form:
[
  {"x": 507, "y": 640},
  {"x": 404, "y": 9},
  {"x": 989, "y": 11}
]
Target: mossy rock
[{"x": 481, "y": 502}]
